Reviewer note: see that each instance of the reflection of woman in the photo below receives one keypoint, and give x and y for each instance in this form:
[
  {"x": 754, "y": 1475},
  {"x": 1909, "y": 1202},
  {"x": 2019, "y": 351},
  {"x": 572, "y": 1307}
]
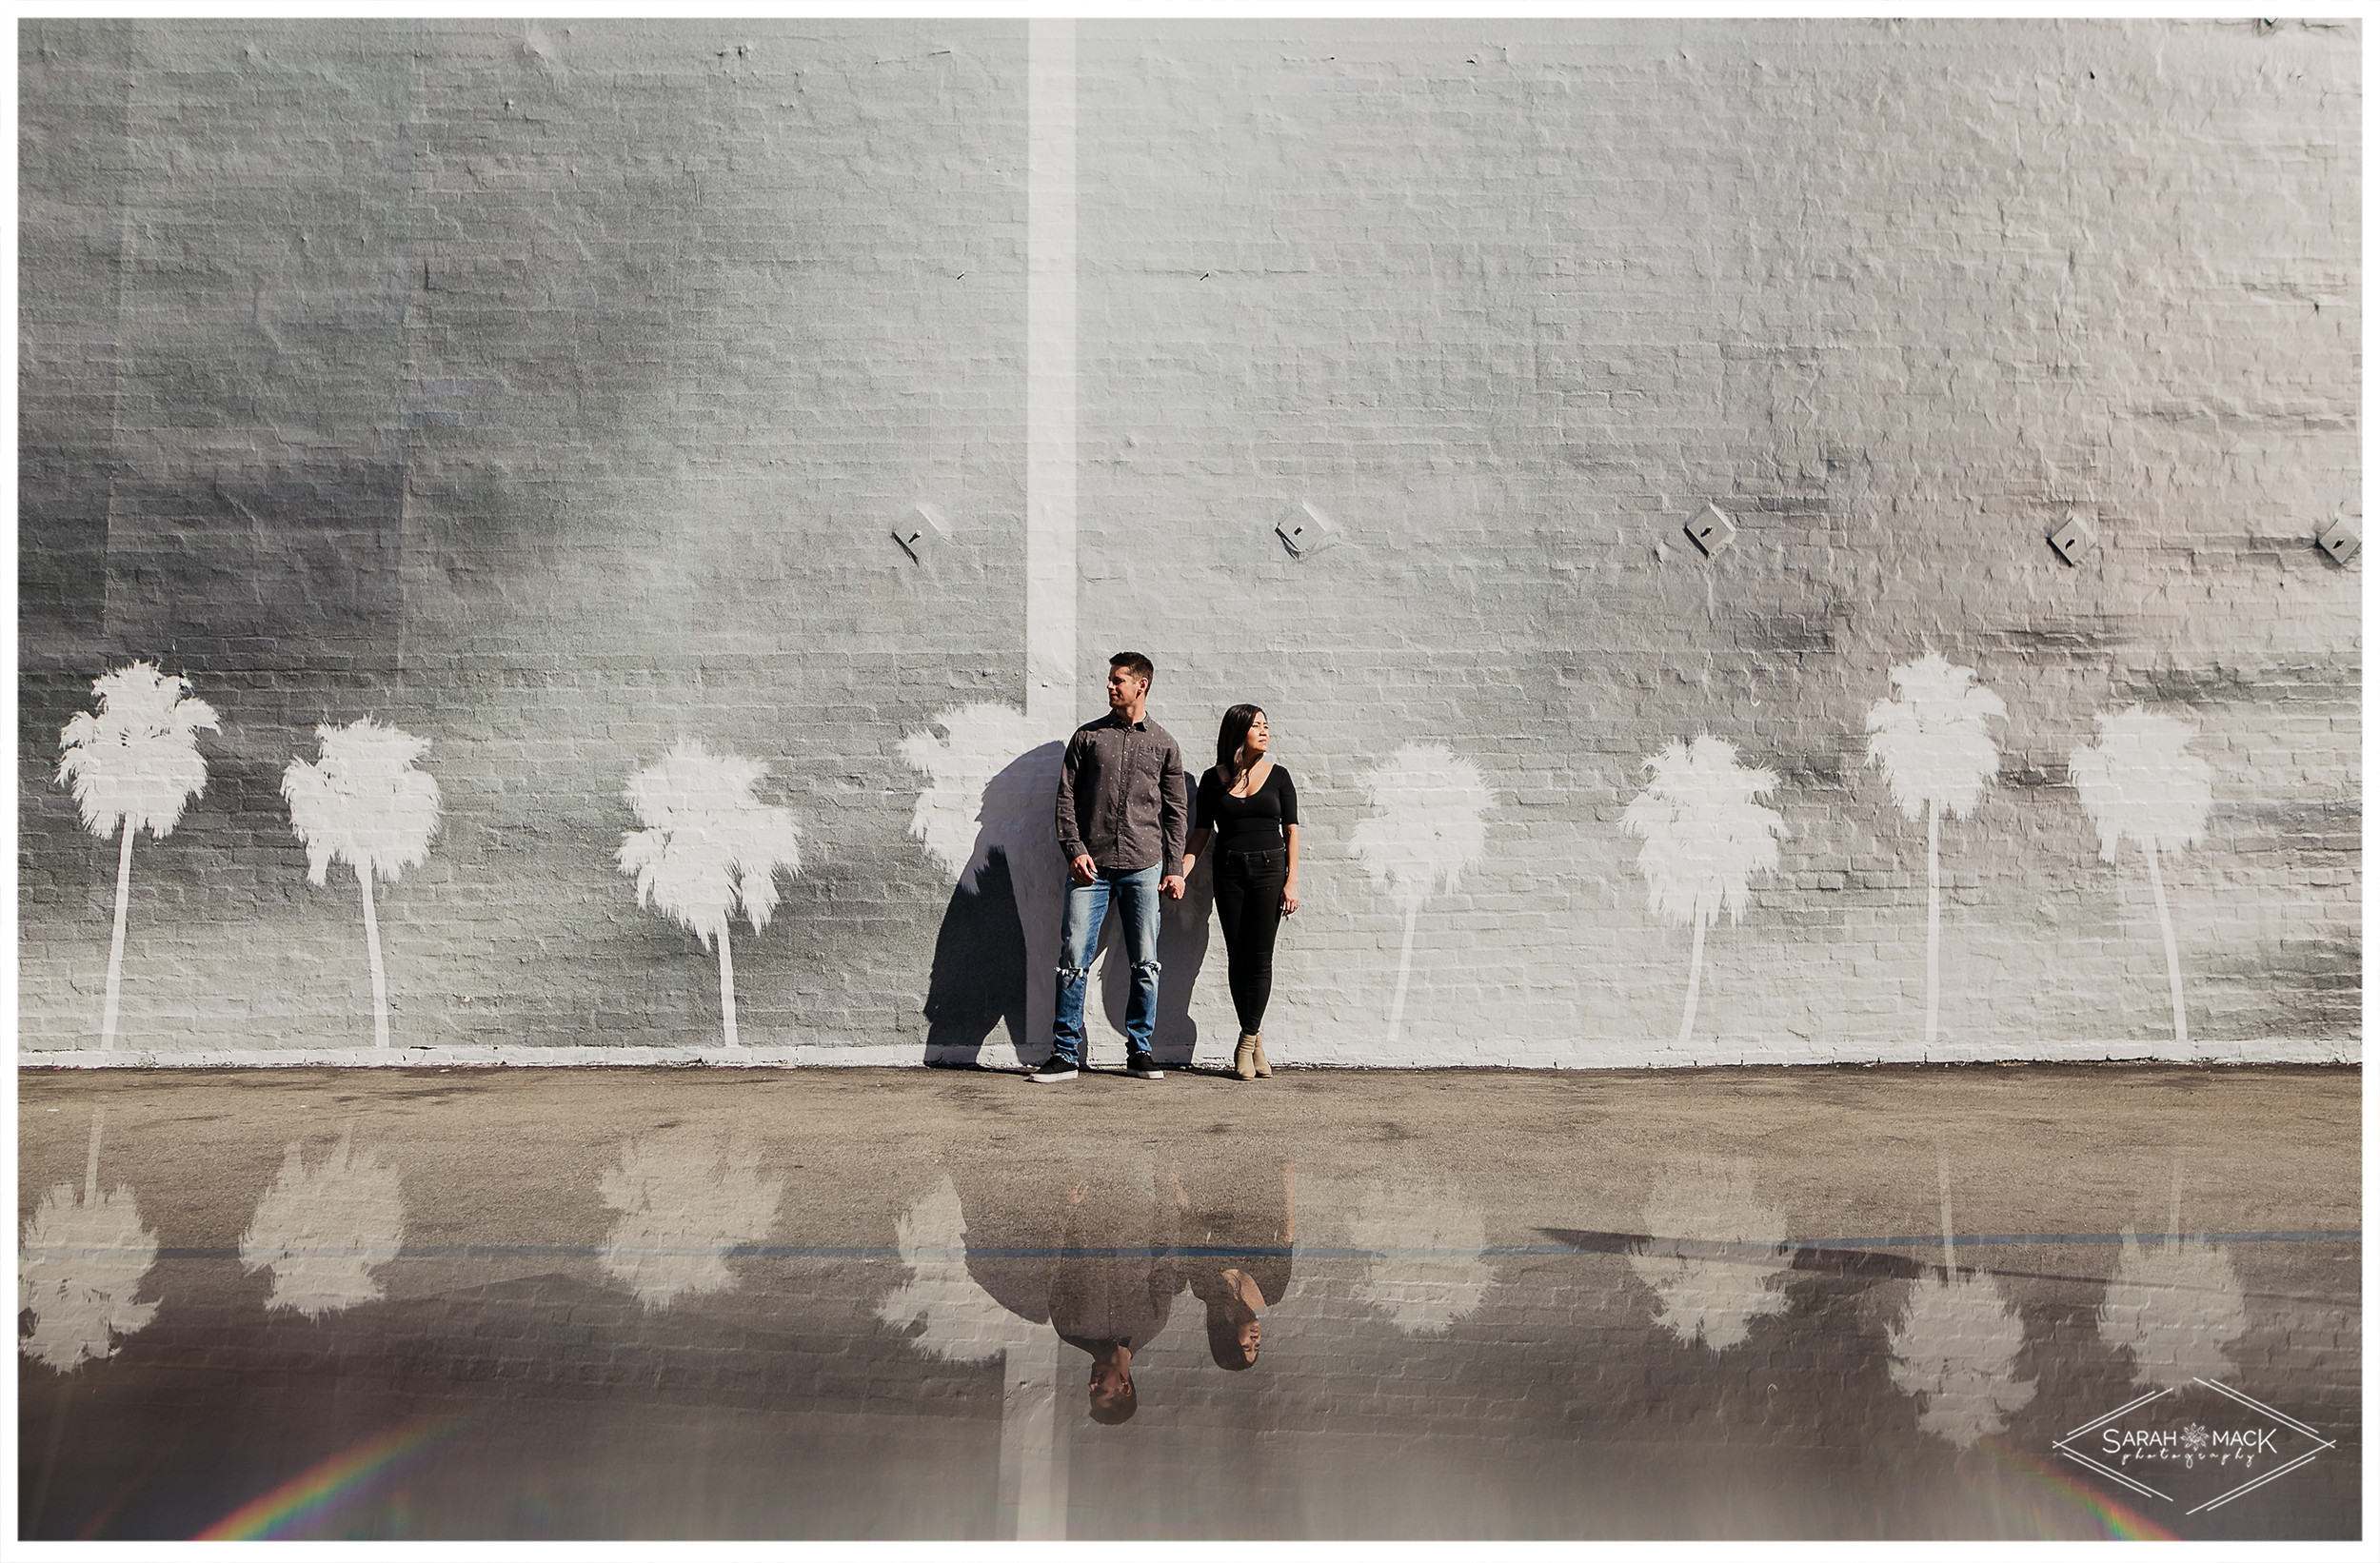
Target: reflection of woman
[
  {"x": 1113, "y": 1284},
  {"x": 1249, "y": 806},
  {"x": 1237, "y": 1287}
]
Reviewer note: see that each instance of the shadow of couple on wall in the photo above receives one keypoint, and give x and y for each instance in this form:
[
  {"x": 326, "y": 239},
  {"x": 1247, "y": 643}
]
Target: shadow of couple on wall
[{"x": 995, "y": 954}]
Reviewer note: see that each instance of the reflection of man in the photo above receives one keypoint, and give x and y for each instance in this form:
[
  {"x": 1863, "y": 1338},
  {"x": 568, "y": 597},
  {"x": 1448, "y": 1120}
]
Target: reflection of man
[
  {"x": 1113, "y": 1285},
  {"x": 1124, "y": 814}
]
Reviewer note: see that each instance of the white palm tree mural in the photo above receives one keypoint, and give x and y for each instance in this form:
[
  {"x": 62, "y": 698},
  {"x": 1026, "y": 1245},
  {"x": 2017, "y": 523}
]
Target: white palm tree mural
[
  {"x": 323, "y": 1230},
  {"x": 710, "y": 848},
  {"x": 1936, "y": 750},
  {"x": 685, "y": 1198},
  {"x": 947, "y": 1314},
  {"x": 1426, "y": 1269},
  {"x": 2141, "y": 780},
  {"x": 80, "y": 1262},
  {"x": 1428, "y": 824},
  {"x": 2174, "y": 1306},
  {"x": 363, "y": 805},
  {"x": 1954, "y": 1346},
  {"x": 1716, "y": 1258},
  {"x": 1704, "y": 837},
  {"x": 989, "y": 785},
  {"x": 133, "y": 764}
]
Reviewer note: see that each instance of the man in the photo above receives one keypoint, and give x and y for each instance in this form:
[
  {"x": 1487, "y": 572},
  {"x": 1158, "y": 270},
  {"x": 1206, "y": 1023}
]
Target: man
[{"x": 1123, "y": 815}]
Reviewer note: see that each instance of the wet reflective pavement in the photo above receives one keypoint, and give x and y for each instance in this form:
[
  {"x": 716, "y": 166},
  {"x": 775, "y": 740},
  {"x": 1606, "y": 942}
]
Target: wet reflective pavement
[{"x": 879, "y": 1304}]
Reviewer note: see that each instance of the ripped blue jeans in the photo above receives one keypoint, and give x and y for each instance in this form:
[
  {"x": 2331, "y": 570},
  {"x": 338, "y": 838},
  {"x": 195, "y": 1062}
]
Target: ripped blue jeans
[{"x": 1135, "y": 897}]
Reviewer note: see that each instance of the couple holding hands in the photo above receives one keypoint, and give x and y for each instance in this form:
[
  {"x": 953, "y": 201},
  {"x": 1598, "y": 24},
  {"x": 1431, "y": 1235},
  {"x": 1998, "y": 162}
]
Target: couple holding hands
[{"x": 1126, "y": 827}]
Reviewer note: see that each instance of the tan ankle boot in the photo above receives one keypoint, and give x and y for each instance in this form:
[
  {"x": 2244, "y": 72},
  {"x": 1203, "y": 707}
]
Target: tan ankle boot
[
  {"x": 1243, "y": 1057},
  {"x": 1256, "y": 1039}
]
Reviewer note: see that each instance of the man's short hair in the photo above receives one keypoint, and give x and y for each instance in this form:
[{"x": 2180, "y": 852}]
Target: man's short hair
[
  {"x": 1108, "y": 1411},
  {"x": 1135, "y": 664}
]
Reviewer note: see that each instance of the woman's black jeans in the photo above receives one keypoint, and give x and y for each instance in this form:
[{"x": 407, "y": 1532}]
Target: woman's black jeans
[{"x": 1247, "y": 899}]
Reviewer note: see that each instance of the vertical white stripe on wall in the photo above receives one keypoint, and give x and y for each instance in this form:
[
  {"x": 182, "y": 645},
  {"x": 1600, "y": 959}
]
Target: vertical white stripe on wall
[{"x": 1050, "y": 385}]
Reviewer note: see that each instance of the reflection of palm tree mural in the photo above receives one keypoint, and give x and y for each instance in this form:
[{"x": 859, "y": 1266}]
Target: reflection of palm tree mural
[
  {"x": 1936, "y": 752},
  {"x": 1426, "y": 1272},
  {"x": 78, "y": 1264},
  {"x": 946, "y": 1314},
  {"x": 940, "y": 1309},
  {"x": 1955, "y": 1347},
  {"x": 323, "y": 1230},
  {"x": 684, "y": 1198},
  {"x": 2141, "y": 780},
  {"x": 709, "y": 847},
  {"x": 989, "y": 788},
  {"x": 365, "y": 806},
  {"x": 1704, "y": 837},
  {"x": 1717, "y": 1257},
  {"x": 133, "y": 764},
  {"x": 1427, "y": 827},
  {"x": 2174, "y": 1306}
]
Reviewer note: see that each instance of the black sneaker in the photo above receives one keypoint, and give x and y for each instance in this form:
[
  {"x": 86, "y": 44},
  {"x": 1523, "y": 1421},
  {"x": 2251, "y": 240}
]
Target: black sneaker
[
  {"x": 1142, "y": 1067},
  {"x": 1054, "y": 1071}
]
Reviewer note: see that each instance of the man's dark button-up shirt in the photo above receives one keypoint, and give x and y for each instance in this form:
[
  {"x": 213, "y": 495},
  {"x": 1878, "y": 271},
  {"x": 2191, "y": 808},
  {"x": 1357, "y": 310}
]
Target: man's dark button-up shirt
[{"x": 1121, "y": 797}]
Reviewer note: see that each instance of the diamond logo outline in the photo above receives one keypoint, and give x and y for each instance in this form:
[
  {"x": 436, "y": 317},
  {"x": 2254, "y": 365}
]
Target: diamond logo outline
[{"x": 2064, "y": 1445}]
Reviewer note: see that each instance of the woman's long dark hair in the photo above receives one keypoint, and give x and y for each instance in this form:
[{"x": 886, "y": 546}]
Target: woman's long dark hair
[
  {"x": 1234, "y": 733},
  {"x": 1222, "y": 1340}
]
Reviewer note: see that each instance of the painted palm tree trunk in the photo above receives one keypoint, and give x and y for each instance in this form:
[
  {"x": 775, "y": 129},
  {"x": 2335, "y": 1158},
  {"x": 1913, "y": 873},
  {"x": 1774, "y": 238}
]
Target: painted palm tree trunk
[
  {"x": 727, "y": 989},
  {"x": 1933, "y": 919},
  {"x": 371, "y": 950},
  {"x": 2172, "y": 950},
  {"x": 1942, "y": 1179},
  {"x": 1405, "y": 972},
  {"x": 1693, "y": 984},
  {"x": 115, "y": 944}
]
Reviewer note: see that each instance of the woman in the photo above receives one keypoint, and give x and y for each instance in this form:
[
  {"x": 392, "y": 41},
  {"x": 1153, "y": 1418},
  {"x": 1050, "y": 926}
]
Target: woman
[{"x": 1249, "y": 807}]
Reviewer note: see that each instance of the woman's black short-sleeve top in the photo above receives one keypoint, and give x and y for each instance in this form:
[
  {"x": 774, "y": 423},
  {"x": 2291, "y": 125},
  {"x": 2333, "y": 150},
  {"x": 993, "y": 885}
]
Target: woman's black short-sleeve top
[{"x": 1246, "y": 824}]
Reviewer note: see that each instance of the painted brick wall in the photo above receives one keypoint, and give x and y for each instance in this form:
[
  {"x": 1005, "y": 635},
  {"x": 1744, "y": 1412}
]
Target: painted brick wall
[{"x": 548, "y": 389}]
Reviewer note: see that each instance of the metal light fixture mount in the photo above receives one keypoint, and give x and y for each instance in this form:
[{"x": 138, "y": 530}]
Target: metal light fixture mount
[
  {"x": 919, "y": 527},
  {"x": 2342, "y": 539},
  {"x": 1711, "y": 531},
  {"x": 1305, "y": 531},
  {"x": 2074, "y": 537}
]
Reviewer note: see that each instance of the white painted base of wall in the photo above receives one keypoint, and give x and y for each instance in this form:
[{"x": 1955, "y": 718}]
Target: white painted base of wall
[
  {"x": 484, "y": 1056},
  {"x": 2264, "y": 1050},
  {"x": 1720, "y": 1053}
]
